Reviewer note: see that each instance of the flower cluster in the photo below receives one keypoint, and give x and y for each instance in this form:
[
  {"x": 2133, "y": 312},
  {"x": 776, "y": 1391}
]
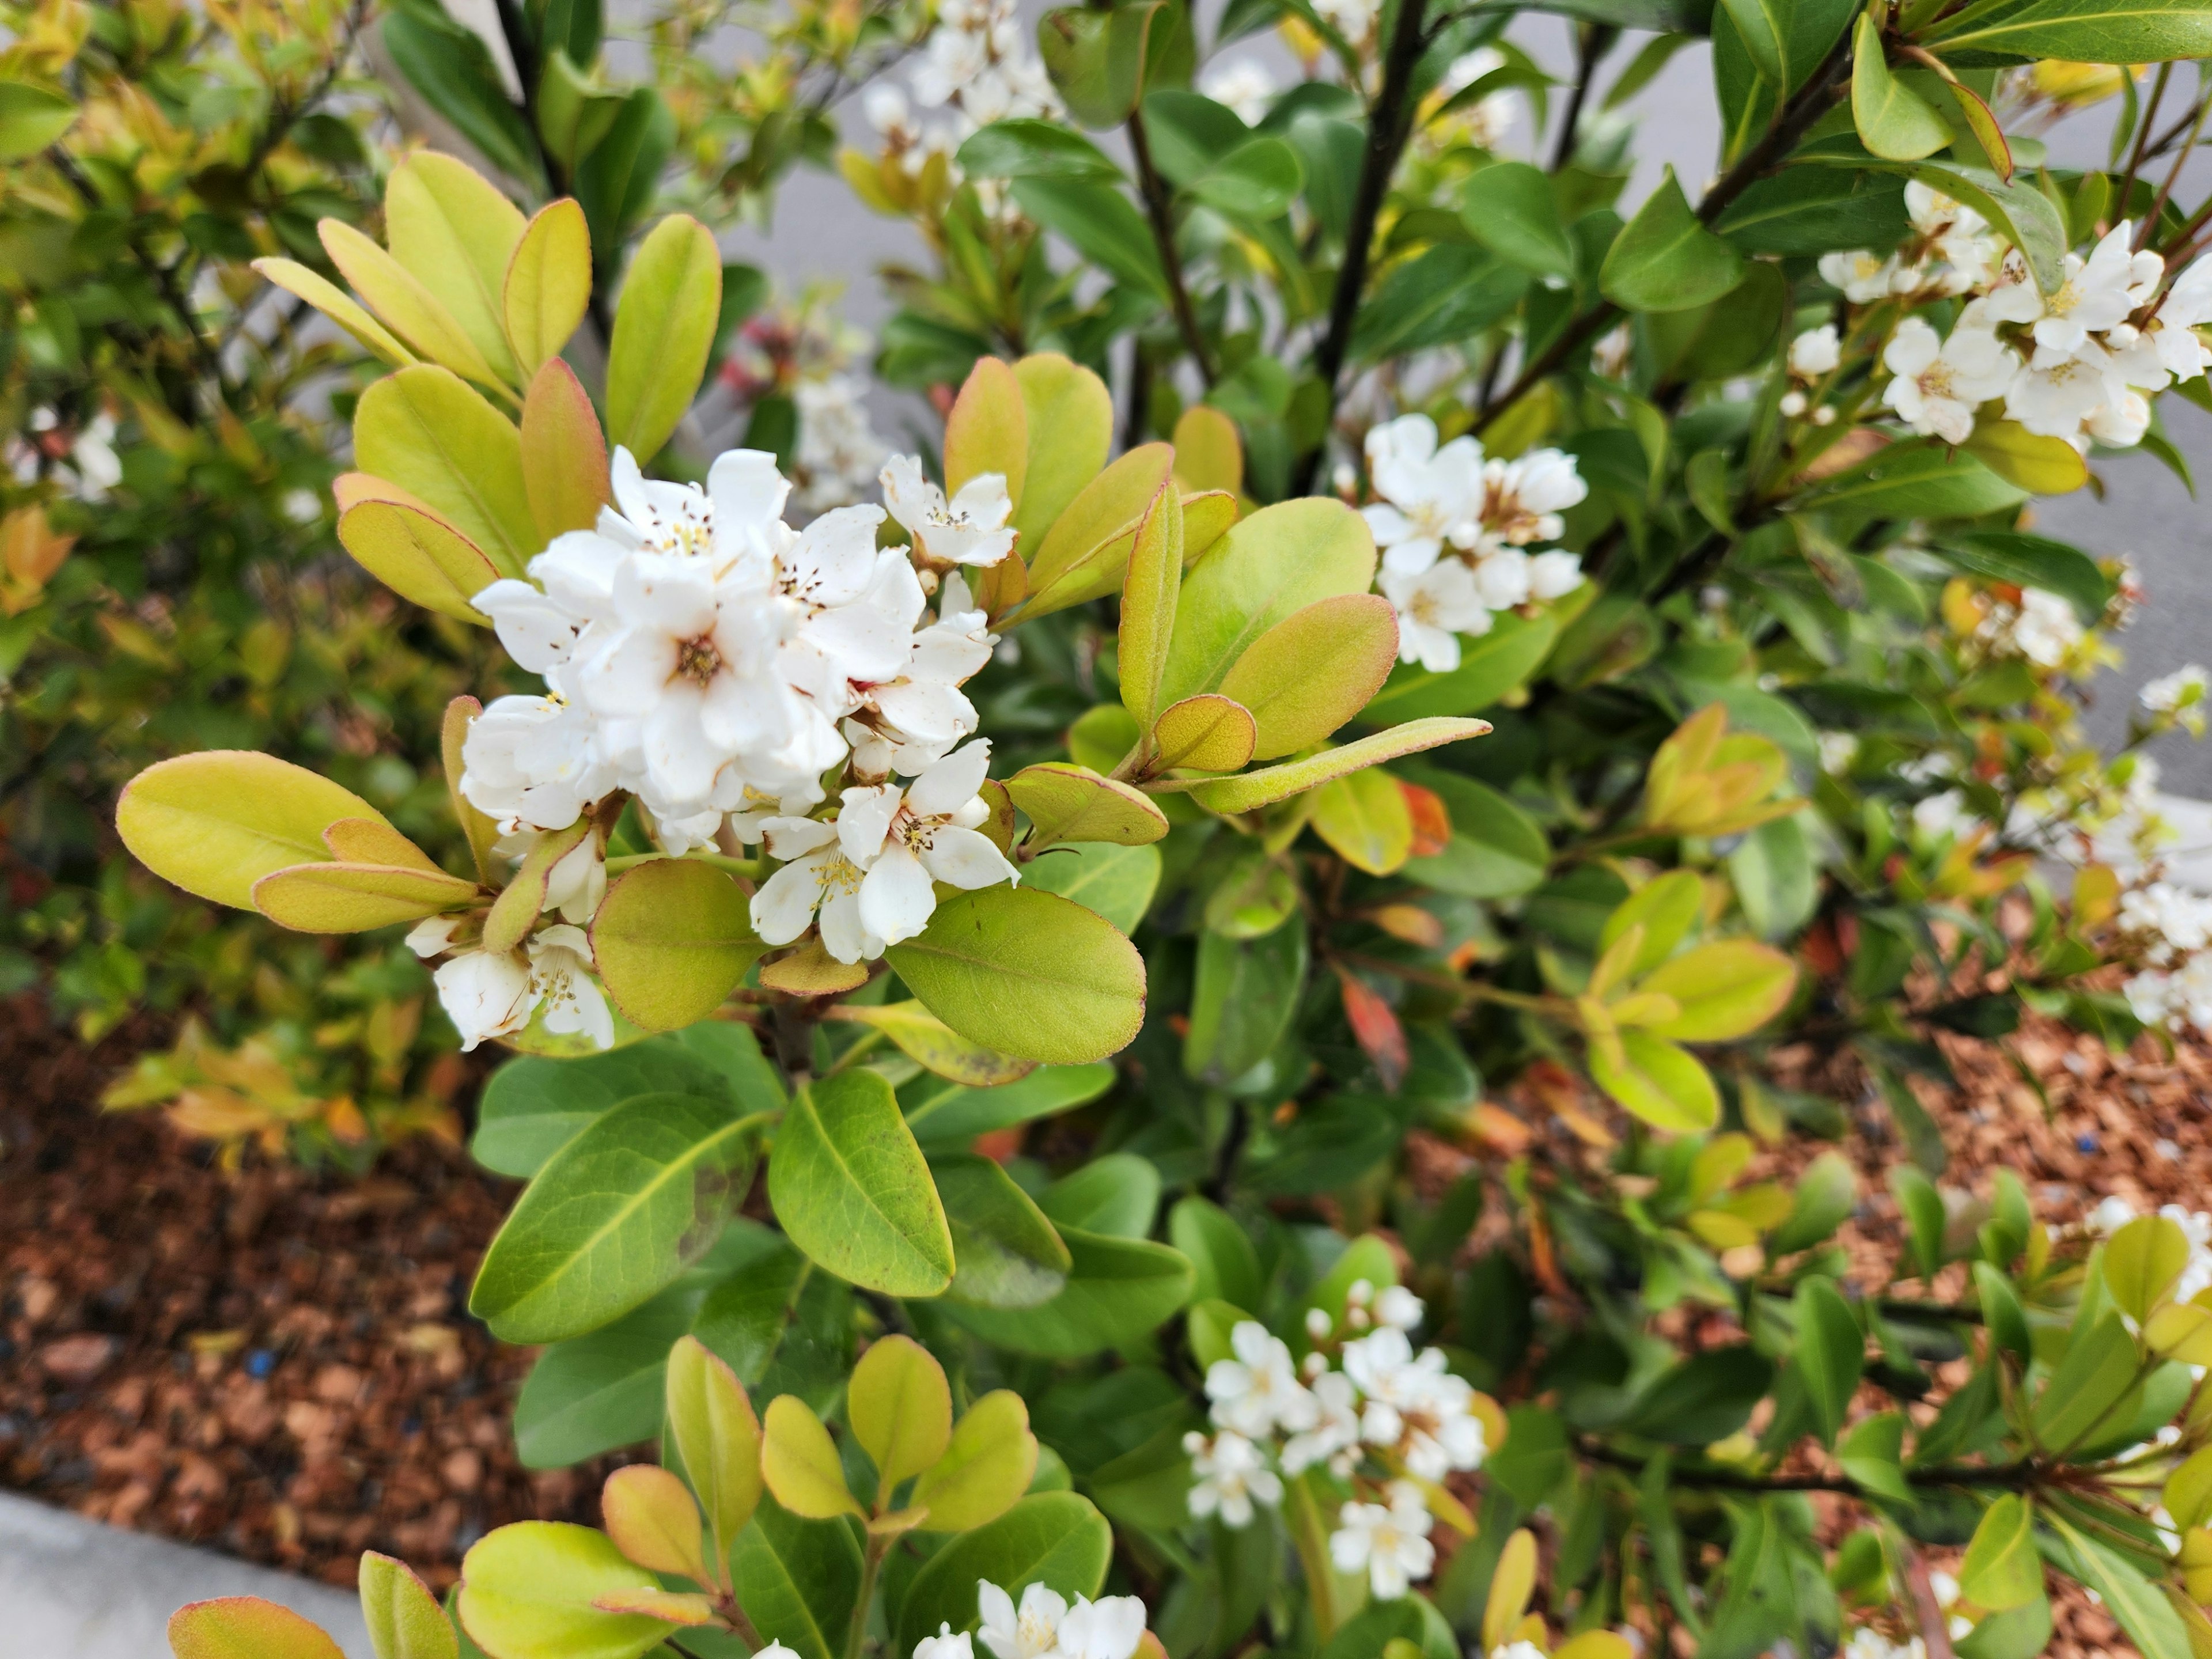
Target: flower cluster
[
  {"x": 724, "y": 669},
  {"x": 2040, "y": 626},
  {"x": 2169, "y": 930},
  {"x": 1382, "y": 1406},
  {"x": 2177, "y": 699},
  {"x": 2075, "y": 364},
  {"x": 977, "y": 64},
  {"x": 805, "y": 351},
  {"x": 1453, "y": 527},
  {"x": 1043, "y": 1627}
]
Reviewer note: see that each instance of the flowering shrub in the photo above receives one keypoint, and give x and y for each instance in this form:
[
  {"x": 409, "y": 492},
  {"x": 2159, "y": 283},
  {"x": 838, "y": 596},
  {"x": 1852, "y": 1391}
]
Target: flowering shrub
[{"x": 1210, "y": 1041}]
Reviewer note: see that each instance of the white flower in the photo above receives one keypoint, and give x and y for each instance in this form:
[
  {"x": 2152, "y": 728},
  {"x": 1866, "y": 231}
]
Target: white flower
[
  {"x": 911, "y": 719},
  {"x": 1554, "y": 575},
  {"x": 2181, "y": 695},
  {"x": 1944, "y": 814},
  {"x": 2096, "y": 295},
  {"x": 2046, "y": 627},
  {"x": 1838, "y": 750},
  {"x": 907, "y": 840},
  {"x": 561, "y": 980},
  {"x": 1031, "y": 1633},
  {"x": 1863, "y": 277},
  {"x": 1231, "y": 1474},
  {"x": 838, "y": 454},
  {"x": 490, "y": 994},
  {"x": 1398, "y": 1306},
  {"x": 1334, "y": 1438},
  {"x": 1814, "y": 353},
  {"x": 1957, "y": 236},
  {"x": 1259, "y": 1390},
  {"x": 1353, "y": 19},
  {"x": 1503, "y": 579},
  {"x": 2061, "y": 388},
  {"x": 943, "y": 1645},
  {"x": 1940, "y": 384},
  {"x": 1434, "y": 607},
  {"x": 301, "y": 507},
  {"x": 576, "y": 883},
  {"x": 1867, "y": 1642},
  {"x": 1522, "y": 498},
  {"x": 1391, "y": 1544},
  {"x": 969, "y": 529},
  {"x": 1108, "y": 1628},
  {"x": 1243, "y": 84},
  {"x": 1517, "y": 1650},
  {"x": 531, "y": 763},
  {"x": 1430, "y": 495},
  {"x": 2172, "y": 330},
  {"x": 817, "y": 876},
  {"x": 1413, "y": 1405}
]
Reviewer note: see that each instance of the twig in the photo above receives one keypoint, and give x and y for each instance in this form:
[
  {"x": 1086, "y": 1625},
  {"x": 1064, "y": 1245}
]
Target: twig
[
  {"x": 1592, "y": 42},
  {"x": 1390, "y": 125},
  {"x": 2173, "y": 175},
  {"x": 1160, "y": 210}
]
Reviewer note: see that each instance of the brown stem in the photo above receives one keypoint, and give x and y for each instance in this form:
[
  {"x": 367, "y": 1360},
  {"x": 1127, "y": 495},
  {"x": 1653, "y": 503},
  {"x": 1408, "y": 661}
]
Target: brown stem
[
  {"x": 1390, "y": 125},
  {"x": 2173, "y": 175},
  {"x": 1159, "y": 210},
  {"x": 1592, "y": 42},
  {"x": 2137, "y": 156},
  {"x": 1811, "y": 101}
]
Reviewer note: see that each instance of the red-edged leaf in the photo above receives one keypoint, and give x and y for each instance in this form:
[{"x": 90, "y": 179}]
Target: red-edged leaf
[
  {"x": 1432, "y": 823},
  {"x": 1375, "y": 1024}
]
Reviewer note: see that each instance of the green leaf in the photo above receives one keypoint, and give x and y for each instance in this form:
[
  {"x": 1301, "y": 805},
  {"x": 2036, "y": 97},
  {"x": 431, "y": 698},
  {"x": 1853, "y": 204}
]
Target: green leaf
[
  {"x": 619, "y": 181},
  {"x": 1119, "y": 1290},
  {"x": 1066, "y": 802},
  {"x": 1665, "y": 908},
  {"x": 1070, "y": 428},
  {"x": 410, "y": 548},
  {"x": 944, "y": 1115},
  {"x": 664, "y": 324},
  {"x": 1727, "y": 988},
  {"x": 547, "y": 286},
  {"x": 2144, "y": 1613},
  {"x": 1660, "y": 1084},
  {"x": 2025, "y": 561},
  {"x": 1027, "y": 973},
  {"x": 403, "y": 1619},
  {"x": 1206, "y": 733},
  {"x": 1873, "y": 1455},
  {"x": 717, "y": 1440},
  {"x": 246, "y": 1627},
  {"x": 1496, "y": 850},
  {"x": 1255, "y": 182},
  {"x": 2001, "y": 1568},
  {"x": 1246, "y": 993},
  {"x": 987, "y": 431},
  {"x": 1148, "y": 606},
  {"x": 615, "y": 1215},
  {"x": 1097, "y": 60},
  {"x": 986, "y": 1469},
  {"x": 800, "y": 1462},
  {"x": 798, "y": 1580},
  {"x": 671, "y": 940},
  {"x": 352, "y": 898},
  {"x": 341, "y": 307},
  {"x": 1056, "y": 1539},
  {"x": 1098, "y": 222},
  {"x": 31, "y": 117},
  {"x": 1830, "y": 1353},
  {"x": 1918, "y": 478},
  {"x": 2086, "y": 1386},
  {"x": 1028, "y": 149},
  {"x": 900, "y": 1407},
  {"x": 1490, "y": 666},
  {"x": 456, "y": 235},
  {"x": 527, "y": 1588},
  {"x": 425, "y": 430},
  {"x": 2024, "y": 216},
  {"x": 1665, "y": 260},
  {"x": 1007, "y": 1254},
  {"x": 1365, "y": 820},
  {"x": 2143, "y": 1261},
  {"x": 564, "y": 455},
  {"x": 593, "y": 1393},
  {"x": 2080, "y": 31},
  {"x": 1279, "y": 561},
  {"x": 1509, "y": 208},
  {"x": 1117, "y": 1193},
  {"x": 215, "y": 823},
  {"x": 1116, "y": 882},
  {"x": 1707, "y": 1397},
  {"x": 851, "y": 1189},
  {"x": 452, "y": 67},
  {"x": 1225, "y": 1266},
  {"x": 1811, "y": 210},
  {"x": 1270, "y": 784},
  {"x": 1447, "y": 294},
  {"x": 399, "y": 298},
  {"x": 1314, "y": 670},
  {"x": 1827, "y": 1192},
  {"x": 2039, "y": 464},
  {"x": 1894, "y": 121},
  {"x": 926, "y": 1039},
  {"x": 1085, "y": 553}
]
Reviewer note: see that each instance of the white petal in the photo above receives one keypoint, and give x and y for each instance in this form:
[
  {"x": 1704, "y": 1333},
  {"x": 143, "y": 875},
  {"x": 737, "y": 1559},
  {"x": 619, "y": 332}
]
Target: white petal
[
  {"x": 897, "y": 897},
  {"x": 967, "y": 858},
  {"x": 783, "y": 906},
  {"x": 865, "y": 819},
  {"x": 666, "y": 591},
  {"x": 951, "y": 783}
]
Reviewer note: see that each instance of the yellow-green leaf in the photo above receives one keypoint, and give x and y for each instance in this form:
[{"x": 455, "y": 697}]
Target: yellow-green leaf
[
  {"x": 419, "y": 555},
  {"x": 401, "y": 303},
  {"x": 403, "y": 1619},
  {"x": 928, "y": 1041},
  {"x": 1894, "y": 121},
  {"x": 1665, "y": 907},
  {"x": 987, "y": 1466},
  {"x": 2038, "y": 464},
  {"x": 352, "y": 898},
  {"x": 664, "y": 328},
  {"x": 1511, "y": 1582},
  {"x": 1365, "y": 817},
  {"x": 424, "y": 430},
  {"x": 1148, "y": 603},
  {"x": 1727, "y": 988},
  {"x": 1206, "y": 519},
  {"x": 671, "y": 940},
  {"x": 341, "y": 307},
  {"x": 650, "y": 1516},
  {"x": 1085, "y": 554},
  {"x": 2188, "y": 1491},
  {"x": 1209, "y": 455},
  {"x": 527, "y": 1589},
  {"x": 2002, "y": 1568},
  {"x": 1660, "y": 1084},
  {"x": 901, "y": 1408},
  {"x": 481, "y": 831},
  {"x": 989, "y": 430},
  {"x": 852, "y": 1189},
  {"x": 564, "y": 455},
  {"x": 717, "y": 1437},
  {"x": 1069, "y": 416},
  {"x": 1270, "y": 784},
  {"x": 1206, "y": 733},
  {"x": 246, "y": 1627},
  {"x": 367, "y": 841},
  {"x": 2143, "y": 1262},
  {"x": 548, "y": 284},
  {"x": 455, "y": 234},
  {"x": 216, "y": 822},
  {"x": 800, "y": 1462},
  {"x": 516, "y": 910},
  {"x": 1313, "y": 670},
  {"x": 1066, "y": 802}
]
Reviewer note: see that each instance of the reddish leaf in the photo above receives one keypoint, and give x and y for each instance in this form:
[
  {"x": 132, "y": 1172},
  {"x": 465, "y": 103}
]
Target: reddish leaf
[
  {"x": 1432, "y": 823},
  {"x": 1376, "y": 1027}
]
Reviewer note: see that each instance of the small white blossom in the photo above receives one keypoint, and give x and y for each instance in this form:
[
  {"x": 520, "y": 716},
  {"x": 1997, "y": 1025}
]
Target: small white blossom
[
  {"x": 1523, "y": 498},
  {"x": 1435, "y": 607},
  {"x": 1398, "y": 1306},
  {"x": 1242, "y": 84},
  {"x": 909, "y": 840},
  {"x": 2060, "y": 388},
  {"x": 1863, "y": 277},
  {"x": 946, "y": 1644},
  {"x": 2180, "y": 694},
  {"x": 1390, "y": 1544},
  {"x": 1259, "y": 1390},
  {"x": 1939, "y": 383},
  {"x": 1945, "y": 814},
  {"x": 1046, "y": 1627},
  {"x": 2095, "y": 293},
  {"x": 1431, "y": 495},
  {"x": 971, "y": 528},
  {"x": 1231, "y": 1475},
  {"x": 1814, "y": 353},
  {"x": 489, "y": 993},
  {"x": 1333, "y": 1437},
  {"x": 816, "y": 877},
  {"x": 1838, "y": 750},
  {"x": 1867, "y": 1643}
]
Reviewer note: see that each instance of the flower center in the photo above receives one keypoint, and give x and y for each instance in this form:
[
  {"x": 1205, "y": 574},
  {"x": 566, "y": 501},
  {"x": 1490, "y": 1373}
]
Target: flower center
[
  {"x": 1936, "y": 380},
  {"x": 698, "y": 660},
  {"x": 838, "y": 874}
]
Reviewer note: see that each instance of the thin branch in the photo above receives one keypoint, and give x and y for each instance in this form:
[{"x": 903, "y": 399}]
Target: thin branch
[
  {"x": 1811, "y": 101},
  {"x": 1592, "y": 42},
  {"x": 2173, "y": 175},
  {"x": 1159, "y": 209},
  {"x": 1390, "y": 125}
]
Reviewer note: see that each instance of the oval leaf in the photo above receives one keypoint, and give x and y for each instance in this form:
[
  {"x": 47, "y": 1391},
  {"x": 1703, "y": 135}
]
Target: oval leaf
[
  {"x": 901, "y": 1408},
  {"x": 564, "y": 455},
  {"x": 664, "y": 328},
  {"x": 1315, "y": 669},
  {"x": 1206, "y": 733},
  {"x": 1725, "y": 989},
  {"x": 671, "y": 940},
  {"x": 986, "y": 1467},
  {"x": 352, "y": 898},
  {"x": 215, "y": 823},
  {"x": 424, "y": 430},
  {"x": 526, "y": 1593},
  {"x": 410, "y": 548},
  {"x": 852, "y": 1190},
  {"x": 246, "y": 1627},
  {"x": 548, "y": 284},
  {"x": 457, "y": 234},
  {"x": 1066, "y": 802},
  {"x": 800, "y": 1462}
]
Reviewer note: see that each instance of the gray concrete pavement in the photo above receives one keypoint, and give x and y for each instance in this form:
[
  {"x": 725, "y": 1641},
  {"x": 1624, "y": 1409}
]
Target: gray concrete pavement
[{"x": 72, "y": 1588}]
